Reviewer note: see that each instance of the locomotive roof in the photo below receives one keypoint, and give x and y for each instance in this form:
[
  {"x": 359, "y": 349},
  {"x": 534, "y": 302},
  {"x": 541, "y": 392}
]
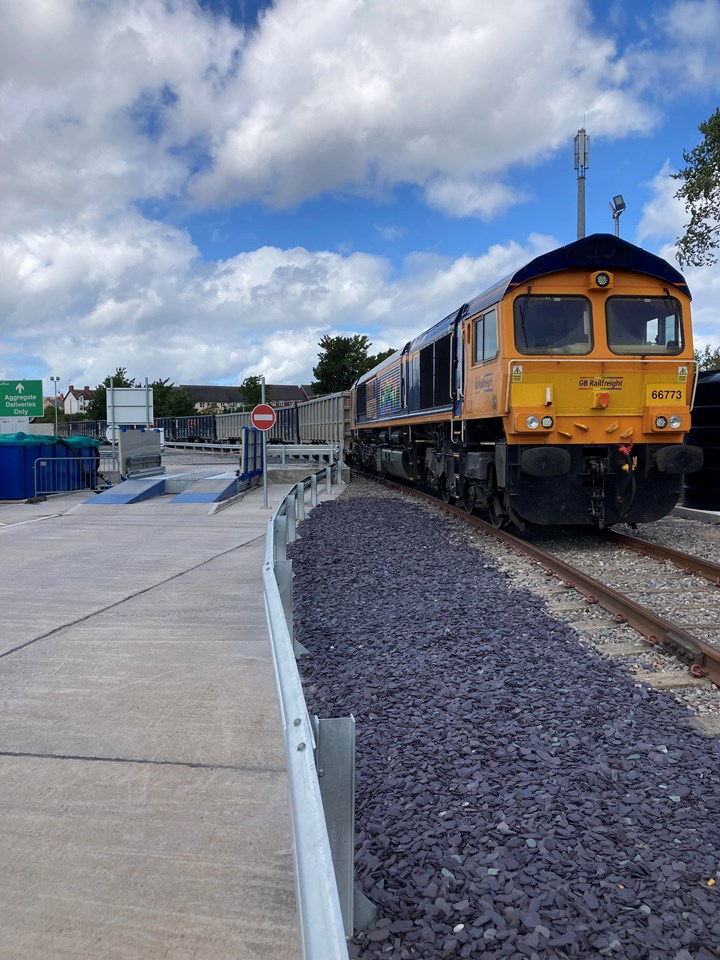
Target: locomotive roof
[{"x": 597, "y": 252}]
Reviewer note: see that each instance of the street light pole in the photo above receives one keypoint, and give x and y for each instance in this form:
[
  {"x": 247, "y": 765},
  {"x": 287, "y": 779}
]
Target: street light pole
[
  {"x": 55, "y": 381},
  {"x": 617, "y": 205}
]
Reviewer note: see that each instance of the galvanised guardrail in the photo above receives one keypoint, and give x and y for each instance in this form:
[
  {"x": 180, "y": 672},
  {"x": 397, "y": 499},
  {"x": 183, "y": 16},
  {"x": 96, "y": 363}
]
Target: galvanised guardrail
[
  {"x": 52, "y": 475},
  {"x": 320, "y": 756}
]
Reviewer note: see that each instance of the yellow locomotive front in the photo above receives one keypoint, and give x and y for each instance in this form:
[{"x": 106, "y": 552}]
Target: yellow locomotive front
[{"x": 593, "y": 382}]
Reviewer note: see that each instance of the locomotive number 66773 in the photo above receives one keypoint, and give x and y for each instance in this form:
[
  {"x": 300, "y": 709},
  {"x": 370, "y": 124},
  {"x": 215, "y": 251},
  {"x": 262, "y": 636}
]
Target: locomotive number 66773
[{"x": 561, "y": 395}]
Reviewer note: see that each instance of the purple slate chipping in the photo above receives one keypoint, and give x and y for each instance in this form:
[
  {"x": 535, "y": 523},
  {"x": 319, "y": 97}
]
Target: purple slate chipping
[{"x": 466, "y": 692}]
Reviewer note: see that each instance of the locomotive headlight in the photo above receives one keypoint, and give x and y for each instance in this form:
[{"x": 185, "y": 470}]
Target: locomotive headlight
[
  {"x": 532, "y": 423},
  {"x": 661, "y": 422},
  {"x": 547, "y": 422},
  {"x": 602, "y": 279},
  {"x": 675, "y": 422}
]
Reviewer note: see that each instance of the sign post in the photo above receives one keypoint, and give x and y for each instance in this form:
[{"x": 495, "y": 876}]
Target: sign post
[
  {"x": 21, "y": 398},
  {"x": 263, "y": 418}
]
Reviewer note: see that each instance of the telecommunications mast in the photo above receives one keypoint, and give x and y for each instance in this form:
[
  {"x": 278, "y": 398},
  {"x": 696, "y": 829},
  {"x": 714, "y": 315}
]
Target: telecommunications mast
[{"x": 582, "y": 162}]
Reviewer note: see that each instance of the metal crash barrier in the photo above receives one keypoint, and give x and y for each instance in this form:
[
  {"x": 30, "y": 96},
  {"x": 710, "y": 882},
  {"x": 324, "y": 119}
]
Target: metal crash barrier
[
  {"x": 287, "y": 454},
  {"x": 320, "y": 757}
]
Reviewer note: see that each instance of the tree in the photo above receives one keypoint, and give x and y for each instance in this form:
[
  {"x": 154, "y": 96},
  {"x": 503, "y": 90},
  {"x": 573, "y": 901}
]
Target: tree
[
  {"x": 378, "y": 358},
  {"x": 344, "y": 360},
  {"x": 97, "y": 408},
  {"x": 252, "y": 391},
  {"x": 171, "y": 401},
  {"x": 700, "y": 192},
  {"x": 708, "y": 359},
  {"x": 49, "y": 415}
]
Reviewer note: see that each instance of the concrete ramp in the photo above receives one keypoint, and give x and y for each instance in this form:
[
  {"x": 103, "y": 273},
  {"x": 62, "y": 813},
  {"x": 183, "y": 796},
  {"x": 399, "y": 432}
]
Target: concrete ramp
[
  {"x": 130, "y": 491},
  {"x": 211, "y": 489},
  {"x": 204, "y": 486}
]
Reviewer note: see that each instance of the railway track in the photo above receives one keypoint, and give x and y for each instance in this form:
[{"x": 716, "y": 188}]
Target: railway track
[
  {"x": 684, "y": 561},
  {"x": 701, "y": 656}
]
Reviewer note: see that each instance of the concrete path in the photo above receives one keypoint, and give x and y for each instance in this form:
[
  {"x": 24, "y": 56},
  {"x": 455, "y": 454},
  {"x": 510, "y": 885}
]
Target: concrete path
[{"x": 142, "y": 779}]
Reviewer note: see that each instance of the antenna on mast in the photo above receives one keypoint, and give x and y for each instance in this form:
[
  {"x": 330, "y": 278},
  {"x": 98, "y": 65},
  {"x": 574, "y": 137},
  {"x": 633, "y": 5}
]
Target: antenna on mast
[{"x": 582, "y": 162}]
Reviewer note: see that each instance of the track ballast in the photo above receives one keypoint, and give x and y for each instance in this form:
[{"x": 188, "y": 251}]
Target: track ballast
[{"x": 517, "y": 796}]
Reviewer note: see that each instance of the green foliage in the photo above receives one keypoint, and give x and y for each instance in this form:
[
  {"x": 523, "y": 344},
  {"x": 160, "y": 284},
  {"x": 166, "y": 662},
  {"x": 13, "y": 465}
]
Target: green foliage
[
  {"x": 49, "y": 416},
  {"x": 708, "y": 359},
  {"x": 700, "y": 192},
  {"x": 170, "y": 401},
  {"x": 342, "y": 361},
  {"x": 378, "y": 358},
  {"x": 97, "y": 408},
  {"x": 252, "y": 391}
]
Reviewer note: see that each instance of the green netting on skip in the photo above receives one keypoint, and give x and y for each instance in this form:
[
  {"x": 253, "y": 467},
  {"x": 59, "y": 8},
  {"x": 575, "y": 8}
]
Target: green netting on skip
[{"x": 28, "y": 440}]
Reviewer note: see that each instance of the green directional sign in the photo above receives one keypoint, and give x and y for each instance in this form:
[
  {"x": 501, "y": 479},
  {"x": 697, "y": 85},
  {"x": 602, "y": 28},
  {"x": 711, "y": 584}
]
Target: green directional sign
[{"x": 21, "y": 398}]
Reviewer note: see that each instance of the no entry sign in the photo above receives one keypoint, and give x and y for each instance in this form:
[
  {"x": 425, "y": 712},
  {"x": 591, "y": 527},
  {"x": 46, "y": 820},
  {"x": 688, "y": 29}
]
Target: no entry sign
[{"x": 263, "y": 416}]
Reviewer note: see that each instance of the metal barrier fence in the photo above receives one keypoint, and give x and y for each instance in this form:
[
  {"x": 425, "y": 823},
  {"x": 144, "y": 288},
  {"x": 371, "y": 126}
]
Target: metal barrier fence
[
  {"x": 287, "y": 454},
  {"x": 251, "y": 448},
  {"x": 320, "y": 757},
  {"x": 65, "y": 474}
]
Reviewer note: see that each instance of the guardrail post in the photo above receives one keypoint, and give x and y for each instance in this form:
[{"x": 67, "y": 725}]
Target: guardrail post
[
  {"x": 291, "y": 517},
  {"x": 283, "y": 575},
  {"x": 328, "y": 480},
  {"x": 300, "y": 487},
  {"x": 340, "y": 466},
  {"x": 313, "y": 490},
  {"x": 280, "y": 537},
  {"x": 335, "y": 761}
]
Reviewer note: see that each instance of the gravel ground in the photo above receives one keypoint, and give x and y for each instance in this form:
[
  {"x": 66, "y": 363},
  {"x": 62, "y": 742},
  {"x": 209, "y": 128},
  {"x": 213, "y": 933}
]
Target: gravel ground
[
  {"x": 691, "y": 536},
  {"x": 690, "y": 601},
  {"x": 517, "y": 795}
]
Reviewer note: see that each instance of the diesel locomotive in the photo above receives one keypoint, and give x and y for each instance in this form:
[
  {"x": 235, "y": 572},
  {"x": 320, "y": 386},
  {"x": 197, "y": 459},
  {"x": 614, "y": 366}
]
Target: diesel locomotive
[{"x": 560, "y": 395}]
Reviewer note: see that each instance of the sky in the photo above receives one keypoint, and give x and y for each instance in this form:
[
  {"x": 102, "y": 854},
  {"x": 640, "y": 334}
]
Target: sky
[{"x": 200, "y": 190}]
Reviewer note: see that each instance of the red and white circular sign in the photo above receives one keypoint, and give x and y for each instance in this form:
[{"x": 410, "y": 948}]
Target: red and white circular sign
[{"x": 263, "y": 416}]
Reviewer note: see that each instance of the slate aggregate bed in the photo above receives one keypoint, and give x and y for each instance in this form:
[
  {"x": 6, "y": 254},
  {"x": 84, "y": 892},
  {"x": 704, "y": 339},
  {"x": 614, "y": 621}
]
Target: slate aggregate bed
[{"x": 516, "y": 796}]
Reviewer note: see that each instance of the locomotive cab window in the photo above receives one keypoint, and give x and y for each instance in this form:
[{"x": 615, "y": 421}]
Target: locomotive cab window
[
  {"x": 644, "y": 325},
  {"x": 485, "y": 337},
  {"x": 556, "y": 325}
]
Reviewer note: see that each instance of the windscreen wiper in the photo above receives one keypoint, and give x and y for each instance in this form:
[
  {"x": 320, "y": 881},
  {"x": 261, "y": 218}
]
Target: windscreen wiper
[{"x": 523, "y": 310}]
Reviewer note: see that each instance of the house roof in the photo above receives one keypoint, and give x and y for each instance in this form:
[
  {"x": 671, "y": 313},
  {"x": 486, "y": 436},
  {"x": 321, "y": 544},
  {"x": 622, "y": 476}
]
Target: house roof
[
  {"x": 212, "y": 394},
  {"x": 77, "y": 392},
  {"x": 226, "y": 394}
]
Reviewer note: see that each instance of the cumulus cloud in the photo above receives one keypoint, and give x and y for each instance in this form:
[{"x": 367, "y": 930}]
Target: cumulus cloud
[
  {"x": 118, "y": 117},
  {"x": 354, "y": 95},
  {"x": 663, "y": 215},
  {"x": 150, "y": 300},
  {"x": 104, "y": 104},
  {"x": 692, "y": 28}
]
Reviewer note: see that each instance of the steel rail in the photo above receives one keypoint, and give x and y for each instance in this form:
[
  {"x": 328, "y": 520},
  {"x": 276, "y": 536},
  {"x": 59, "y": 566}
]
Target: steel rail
[
  {"x": 686, "y": 562},
  {"x": 704, "y": 657}
]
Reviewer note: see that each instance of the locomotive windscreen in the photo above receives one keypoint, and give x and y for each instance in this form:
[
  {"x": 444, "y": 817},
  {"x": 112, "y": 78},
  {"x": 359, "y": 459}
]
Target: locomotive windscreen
[{"x": 546, "y": 324}]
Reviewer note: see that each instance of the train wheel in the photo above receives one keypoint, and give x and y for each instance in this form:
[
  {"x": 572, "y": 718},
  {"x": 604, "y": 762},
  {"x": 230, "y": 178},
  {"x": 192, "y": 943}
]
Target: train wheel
[
  {"x": 498, "y": 517},
  {"x": 445, "y": 489},
  {"x": 470, "y": 497}
]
